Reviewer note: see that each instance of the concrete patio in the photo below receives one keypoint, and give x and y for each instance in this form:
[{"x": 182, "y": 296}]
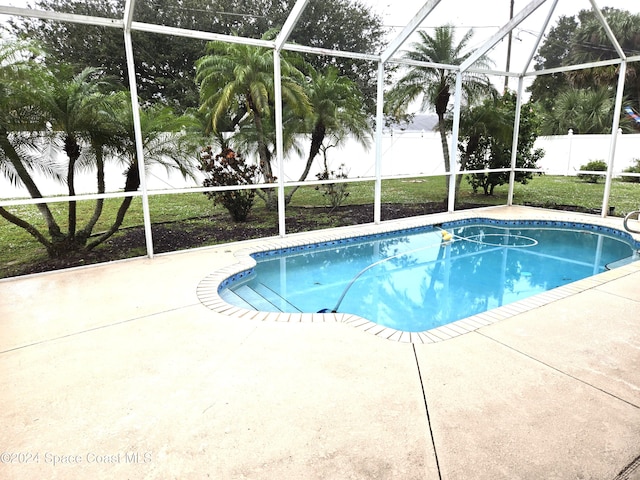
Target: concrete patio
[{"x": 119, "y": 371}]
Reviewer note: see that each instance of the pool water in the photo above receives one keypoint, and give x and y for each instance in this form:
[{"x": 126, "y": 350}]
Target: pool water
[{"x": 423, "y": 279}]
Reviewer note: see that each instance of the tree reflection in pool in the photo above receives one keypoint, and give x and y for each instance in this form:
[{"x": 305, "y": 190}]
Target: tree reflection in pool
[{"x": 422, "y": 279}]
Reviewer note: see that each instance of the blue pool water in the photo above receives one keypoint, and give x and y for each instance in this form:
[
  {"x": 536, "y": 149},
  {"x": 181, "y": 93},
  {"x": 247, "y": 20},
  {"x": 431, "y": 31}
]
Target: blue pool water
[{"x": 421, "y": 279}]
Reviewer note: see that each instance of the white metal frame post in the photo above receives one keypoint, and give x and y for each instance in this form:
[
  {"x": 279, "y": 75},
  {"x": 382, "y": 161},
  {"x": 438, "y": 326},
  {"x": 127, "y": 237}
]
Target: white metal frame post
[
  {"x": 614, "y": 138},
  {"x": 453, "y": 149},
  {"x": 466, "y": 65},
  {"x": 516, "y": 122},
  {"x": 514, "y": 143},
  {"x": 137, "y": 128},
  {"x": 385, "y": 56},
  {"x": 377, "y": 192},
  {"x": 282, "y": 229},
  {"x": 288, "y": 26},
  {"x": 622, "y": 73}
]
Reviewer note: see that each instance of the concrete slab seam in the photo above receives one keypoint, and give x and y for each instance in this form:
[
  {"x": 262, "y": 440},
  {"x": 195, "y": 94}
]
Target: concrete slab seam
[
  {"x": 426, "y": 408},
  {"x": 93, "y": 329},
  {"x": 626, "y": 472},
  {"x": 558, "y": 370}
]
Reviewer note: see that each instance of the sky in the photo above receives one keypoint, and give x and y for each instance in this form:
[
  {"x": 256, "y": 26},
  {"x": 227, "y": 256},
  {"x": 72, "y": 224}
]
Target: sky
[{"x": 485, "y": 17}]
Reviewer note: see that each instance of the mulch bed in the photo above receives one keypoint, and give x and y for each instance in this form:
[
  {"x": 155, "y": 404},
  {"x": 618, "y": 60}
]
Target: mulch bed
[{"x": 186, "y": 234}]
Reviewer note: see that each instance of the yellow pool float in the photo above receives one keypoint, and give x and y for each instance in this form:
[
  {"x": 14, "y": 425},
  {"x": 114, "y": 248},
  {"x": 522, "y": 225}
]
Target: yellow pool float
[{"x": 446, "y": 236}]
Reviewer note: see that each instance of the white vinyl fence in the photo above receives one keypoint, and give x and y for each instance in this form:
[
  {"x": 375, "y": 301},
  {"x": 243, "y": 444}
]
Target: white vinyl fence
[
  {"x": 403, "y": 154},
  {"x": 420, "y": 153}
]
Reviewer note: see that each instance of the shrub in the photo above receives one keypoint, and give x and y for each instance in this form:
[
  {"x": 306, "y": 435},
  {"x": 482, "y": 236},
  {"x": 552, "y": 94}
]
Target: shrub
[
  {"x": 592, "y": 166},
  {"x": 486, "y": 143},
  {"x": 334, "y": 192},
  {"x": 634, "y": 169},
  {"x": 225, "y": 169}
]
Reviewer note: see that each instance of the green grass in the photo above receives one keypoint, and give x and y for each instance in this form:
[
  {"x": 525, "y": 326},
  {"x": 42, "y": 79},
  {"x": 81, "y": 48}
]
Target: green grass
[
  {"x": 195, "y": 210},
  {"x": 168, "y": 208}
]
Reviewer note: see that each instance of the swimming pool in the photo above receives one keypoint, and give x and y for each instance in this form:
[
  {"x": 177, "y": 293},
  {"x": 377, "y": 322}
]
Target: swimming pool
[{"x": 418, "y": 279}]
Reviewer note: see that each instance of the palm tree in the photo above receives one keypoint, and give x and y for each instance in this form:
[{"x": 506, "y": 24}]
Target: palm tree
[
  {"x": 585, "y": 111},
  {"x": 20, "y": 76},
  {"x": 57, "y": 110},
  {"x": 168, "y": 141},
  {"x": 104, "y": 139},
  {"x": 337, "y": 112},
  {"x": 434, "y": 85},
  {"x": 591, "y": 43},
  {"x": 90, "y": 127},
  {"x": 237, "y": 82},
  {"x": 75, "y": 110}
]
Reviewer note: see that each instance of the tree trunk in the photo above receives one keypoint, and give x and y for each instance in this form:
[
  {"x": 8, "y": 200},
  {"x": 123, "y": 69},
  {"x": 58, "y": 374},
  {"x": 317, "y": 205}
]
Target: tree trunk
[
  {"x": 442, "y": 101},
  {"x": 131, "y": 185},
  {"x": 33, "y": 231},
  {"x": 268, "y": 195},
  {"x": 317, "y": 137},
  {"x": 445, "y": 150},
  {"x": 85, "y": 233},
  {"x": 72, "y": 150},
  {"x": 263, "y": 153},
  {"x": 32, "y": 188}
]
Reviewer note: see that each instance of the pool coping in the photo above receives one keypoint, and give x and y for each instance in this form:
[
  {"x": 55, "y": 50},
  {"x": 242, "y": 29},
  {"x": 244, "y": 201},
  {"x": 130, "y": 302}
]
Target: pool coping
[{"x": 208, "y": 288}]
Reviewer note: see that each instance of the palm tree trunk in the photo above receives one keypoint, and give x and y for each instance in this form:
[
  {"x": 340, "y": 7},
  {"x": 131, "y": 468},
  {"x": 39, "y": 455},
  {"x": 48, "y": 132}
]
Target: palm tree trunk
[
  {"x": 32, "y": 188},
  {"x": 265, "y": 162},
  {"x": 131, "y": 185},
  {"x": 72, "y": 149},
  {"x": 84, "y": 234},
  {"x": 445, "y": 149},
  {"x": 317, "y": 137},
  {"x": 263, "y": 154},
  {"x": 441, "y": 103},
  {"x": 35, "y": 233}
]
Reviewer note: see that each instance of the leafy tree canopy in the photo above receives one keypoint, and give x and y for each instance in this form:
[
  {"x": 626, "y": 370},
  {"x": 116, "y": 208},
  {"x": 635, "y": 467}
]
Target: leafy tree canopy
[
  {"x": 165, "y": 65},
  {"x": 582, "y": 39},
  {"x": 486, "y": 142},
  {"x": 584, "y": 111}
]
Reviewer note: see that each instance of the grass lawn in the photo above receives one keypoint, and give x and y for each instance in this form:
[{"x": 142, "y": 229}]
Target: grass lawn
[{"x": 194, "y": 212}]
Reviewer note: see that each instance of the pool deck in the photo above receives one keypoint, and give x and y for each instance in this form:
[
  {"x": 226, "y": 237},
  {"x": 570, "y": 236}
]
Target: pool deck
[{"x": 120, "y": 371}]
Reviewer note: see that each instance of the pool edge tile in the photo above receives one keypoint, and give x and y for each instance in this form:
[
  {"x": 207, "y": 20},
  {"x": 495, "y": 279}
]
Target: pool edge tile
[{"x": 208, "y": 295}]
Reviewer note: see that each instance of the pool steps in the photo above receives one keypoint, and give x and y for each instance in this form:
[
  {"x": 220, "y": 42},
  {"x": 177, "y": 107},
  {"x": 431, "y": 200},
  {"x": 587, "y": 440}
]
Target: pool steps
[
  {"x": 260, "y": 298},
  {"x": 213, "y": 289},
  {"x": 624, "y": 261}
]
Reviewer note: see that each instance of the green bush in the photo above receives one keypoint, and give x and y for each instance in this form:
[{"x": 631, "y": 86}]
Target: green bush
[
  {"x": 225, "y": 169},
  {"x": 592, "y": 166},
  {"x": 634, "y": 169},
  {"x": 335, "y": 193}
]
